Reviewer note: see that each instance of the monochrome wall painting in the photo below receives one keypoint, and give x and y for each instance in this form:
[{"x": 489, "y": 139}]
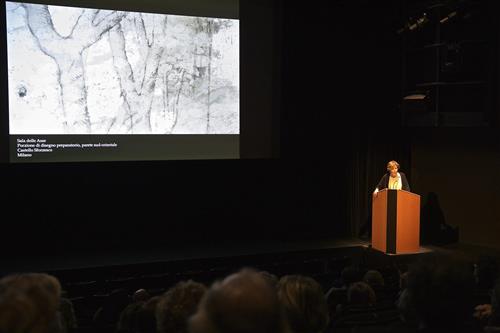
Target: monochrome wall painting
[{"x": 90, "y": 71}]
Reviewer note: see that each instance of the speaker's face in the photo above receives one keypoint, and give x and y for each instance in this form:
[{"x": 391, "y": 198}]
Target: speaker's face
[{"x": 393, "y": 171}]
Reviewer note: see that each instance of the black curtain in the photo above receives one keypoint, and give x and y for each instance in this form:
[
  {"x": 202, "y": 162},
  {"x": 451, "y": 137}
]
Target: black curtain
[{"x": 371, "y": 150}]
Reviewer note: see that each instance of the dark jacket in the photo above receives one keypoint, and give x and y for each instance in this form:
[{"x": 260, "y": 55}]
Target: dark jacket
[{"x": 384, "y": 182}]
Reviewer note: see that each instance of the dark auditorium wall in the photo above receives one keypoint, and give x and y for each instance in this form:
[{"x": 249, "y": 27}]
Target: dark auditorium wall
[
  {"x": 461, "y": 165},
  {"x": 342, "y": 84}
]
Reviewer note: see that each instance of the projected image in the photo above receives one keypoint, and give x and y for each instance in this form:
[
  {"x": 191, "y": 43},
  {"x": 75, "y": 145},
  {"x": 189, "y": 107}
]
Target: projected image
[{"x": 90, "y": 71}]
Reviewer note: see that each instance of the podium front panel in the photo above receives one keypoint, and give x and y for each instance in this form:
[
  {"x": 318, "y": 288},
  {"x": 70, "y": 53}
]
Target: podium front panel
[
  {"x": 408, "y": 223},
  {"x": 396, "y": 222},
  {"x": 379, "y": 224}
]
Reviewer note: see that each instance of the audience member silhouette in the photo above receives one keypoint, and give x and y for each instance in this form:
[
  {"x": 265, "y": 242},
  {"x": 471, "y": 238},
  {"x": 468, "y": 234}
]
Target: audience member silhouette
[
  {"x": 139, "y": 317},
  {"x": 374, "y": 278},
  {"x": 146, "y": 316},
  {"x": 177, "y": 305},
  {"x": 272, "y": 278},
  {"x": 336, "y": 296},
  {"x": 67, "y": 312},
  {"x": 304, "y": 304},
  {"x": 244, "y": 302},
  {"x": 440, "y": 292},
  {"x": 436, "y": 294},
  {"x": 129, "y": 317},
  {"x": 359, "y": 310},
  {"x": 141, "y": 295},
  {"x": 29, "y": 303},
  {"x": 405, "y": 309},
  {"x": 361, "y": 294},
  {"x": 109, "y": 313},
  {"x": 348, "y": 275}
]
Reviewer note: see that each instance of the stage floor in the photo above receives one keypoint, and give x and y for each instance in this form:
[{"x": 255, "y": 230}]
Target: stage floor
[
  {"x": 66, "y": 261},
  {"x": 36, "y": 262}
]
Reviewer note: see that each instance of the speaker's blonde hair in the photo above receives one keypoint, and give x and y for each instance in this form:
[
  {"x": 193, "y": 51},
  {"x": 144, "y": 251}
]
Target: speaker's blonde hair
[{"x": 391, "y": 165}]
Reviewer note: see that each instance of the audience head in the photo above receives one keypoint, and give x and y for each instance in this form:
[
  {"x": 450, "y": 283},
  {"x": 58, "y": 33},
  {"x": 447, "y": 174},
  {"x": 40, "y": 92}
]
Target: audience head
[
  {"x": 272, "y": 279},
  {"x": 128, "y": 317},
  {"x": 18, "y": 313},
  {"x": 141, "y": 295},
  {"x": 304, "y": 304},
  {"x": 244, "y": 302},
  {"x": 177, "y": 305},
  {"x": 374, "y": 278},
  {"x": 112, "y": 307},
  {"x": 146, "y": 316},
  {"x": 440, "y": 291},
  {"x": 68, "y": 316},
  {"x": 29, "y": 303},
  {"x": 361, "y": 294},
  {"x": 139, "y": 317}
]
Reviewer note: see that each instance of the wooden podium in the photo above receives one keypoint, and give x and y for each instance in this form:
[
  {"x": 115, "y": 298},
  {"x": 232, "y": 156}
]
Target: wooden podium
[{"x": 396, "y": 222}]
